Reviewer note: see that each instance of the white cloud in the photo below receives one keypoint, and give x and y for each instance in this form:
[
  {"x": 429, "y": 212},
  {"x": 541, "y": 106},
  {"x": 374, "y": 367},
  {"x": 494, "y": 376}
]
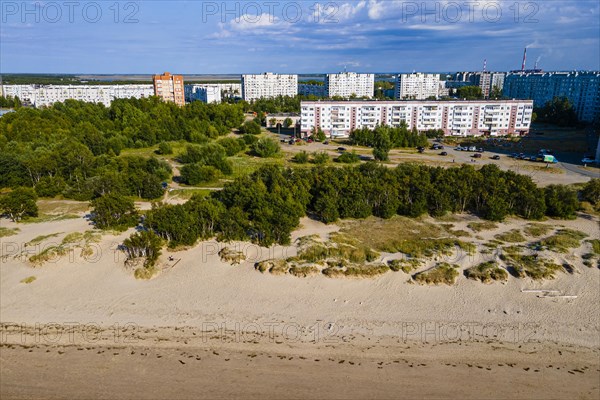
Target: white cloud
[{"x": 249, "y": 22}]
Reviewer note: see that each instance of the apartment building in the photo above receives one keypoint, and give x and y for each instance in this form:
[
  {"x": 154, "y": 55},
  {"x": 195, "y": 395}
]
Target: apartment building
[
  {"x": 582, "y": 88},
  {"x": 458, "y": 118},
  {"x": 417, "y": 86},
  {"x": 205, "y": 93},
  {"x": 268, "y": 85},
  {"x": 46, "y": 95},
  {"x": 169, "y": 88},
  {"x": 350, "y": 84}
]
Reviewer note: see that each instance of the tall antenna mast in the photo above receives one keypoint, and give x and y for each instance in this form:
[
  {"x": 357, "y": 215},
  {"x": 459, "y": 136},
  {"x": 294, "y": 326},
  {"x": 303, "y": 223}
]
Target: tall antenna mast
[
  {"x": 484, "y": 64},
  {"x": 524, "y": 60}
]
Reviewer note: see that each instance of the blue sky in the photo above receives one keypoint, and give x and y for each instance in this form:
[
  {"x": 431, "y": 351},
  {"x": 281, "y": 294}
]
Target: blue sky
[{"x": 295, "y": 36}]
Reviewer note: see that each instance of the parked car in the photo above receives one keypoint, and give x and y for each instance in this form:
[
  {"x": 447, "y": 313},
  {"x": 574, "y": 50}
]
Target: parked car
[
  {"x": 472, "y": 148},
  {"x": 326, "y": 142},
  {"x": 532, "y": 158},
  {"x": 513, "y": 155},
  {"x": 459, "y": 148},
  {"x": 476, "y": 155},
  {"x": 341, "y": 149},
  {"x": 309, "y": 141},
  {"x": 292, "y": 141},
  {"x": 480, "y": 150},
  {"x": 421, "y": 149},
  {"x": 496, "y": 157},
  {"x": 443, "y": 153},
  {"x": 588, "y": 160}
]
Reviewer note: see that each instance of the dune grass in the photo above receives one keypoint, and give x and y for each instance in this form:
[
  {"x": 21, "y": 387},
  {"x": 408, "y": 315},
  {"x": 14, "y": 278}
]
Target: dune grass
[
  {"x": 595, "y": 245},
  {"x": 406, "y": 265},
  {"x": 512, "y": 236},
  {"x": 411, "y": 236},
  {"x": 304, "y": 271},
  {"x": 49, "y": 253},
  {"x": 358, "y": 271},
  {"x": 536, "y": 229},
  {"x": 231, "y": 256},
  {"x": 6, "y": 232},
  {"x": 482, "y": 226},
  {"x": 532, "y": 266},
  {"x": 144, "y": 273},
  {"x": 28, "y": 280},
  {"x": 441, "y": 274},
  {"x": 41, "y": 238},
  {"x": 563, "y": 240},
  {"x": 487, "y": 272}
]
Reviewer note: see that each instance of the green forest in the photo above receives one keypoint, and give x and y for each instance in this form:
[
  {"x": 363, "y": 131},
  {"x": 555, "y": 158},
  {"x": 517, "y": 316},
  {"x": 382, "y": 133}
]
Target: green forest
[
  {"x": 266, "y": 206},
  {"x": 73, "y": 148}
]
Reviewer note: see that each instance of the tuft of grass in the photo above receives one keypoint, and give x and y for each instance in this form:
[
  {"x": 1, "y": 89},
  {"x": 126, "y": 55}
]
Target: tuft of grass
[
  {"x": 595, "y": 245},
  {"x": 563, "y": 240},
  {"x": 358, "y": 271},
  {"x": 532, "y": 266},
  {"x": 482, "y": 226},
  {"x": 304, "y": 271},
  {"x": 231, "y": 256},
  {"x": 536, "y": 229},
  {"x": 5, "y": 232},
  {"x": 41, "y": 238},
  {"x": 512, "y": 236},
  {"x": 48, "y": 254},
  {"x": 274, "y": 266},
  {"x": 28, "y": 280},
  {"x": 71, "y": 238},
  {"x": 145, "y": 273},
  {"x": 512, "y": 250},
  {"x": 442, "y": 273},
  {"x": 487, "y": 272},
  {"x": 406, "y": 266},
  {"x": 49, "y": 218}
]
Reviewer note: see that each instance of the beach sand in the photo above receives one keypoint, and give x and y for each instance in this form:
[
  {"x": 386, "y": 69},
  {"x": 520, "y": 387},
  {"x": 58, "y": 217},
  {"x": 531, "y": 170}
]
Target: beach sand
[{"x": 258, "y": 335}]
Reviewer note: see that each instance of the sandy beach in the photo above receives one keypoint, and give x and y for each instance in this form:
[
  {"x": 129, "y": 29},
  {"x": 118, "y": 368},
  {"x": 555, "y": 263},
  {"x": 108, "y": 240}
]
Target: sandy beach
[{"x": 230, "y": 331}]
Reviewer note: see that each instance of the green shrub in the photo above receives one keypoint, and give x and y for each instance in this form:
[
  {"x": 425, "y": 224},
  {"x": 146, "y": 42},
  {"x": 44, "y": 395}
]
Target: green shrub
[
  {"x": 348, "y": 158},
  {"x": 320, "y": 158},
  {"x": 300, "y": 158}
]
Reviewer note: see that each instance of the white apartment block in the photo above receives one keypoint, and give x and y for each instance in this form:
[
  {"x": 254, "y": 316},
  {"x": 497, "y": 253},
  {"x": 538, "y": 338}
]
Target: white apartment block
[
  {"x": 417, "y": 86},
  {"x": 268, "y": 85},
  {"x": 205, "y": 93},
  {"x": 46, "y": 95},
  {"x": 457, "y": 118},
  {"x": 347, "y": 84}
]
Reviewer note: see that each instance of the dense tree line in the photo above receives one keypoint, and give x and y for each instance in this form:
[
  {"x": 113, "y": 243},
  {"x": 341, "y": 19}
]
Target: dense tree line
[
  {"x": 265, "y": 207},
  {"x": 71, "y": 148},
  {"x": 10, "y": 102},
  {"x": 384, "y": 136},
  {"x": 558, "y": 111}
]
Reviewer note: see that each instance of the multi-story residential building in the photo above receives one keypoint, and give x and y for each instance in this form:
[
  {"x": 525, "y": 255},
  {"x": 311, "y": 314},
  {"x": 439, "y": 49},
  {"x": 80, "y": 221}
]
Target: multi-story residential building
[
  {"x": 169, "y": 88},
  {"x": 581, "y": 88},
  {"x": 417, "y": 86},
  {"x": 46, "y": 95},
  {"x": 350, "y": 84},
  {"x": 311, "y": 89},
  {"x": 206, "y": 93},
  {"x": 460, "y": 118},
  {"x": 486, "y": 80},
  {"x": 268, "y": 85}
]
